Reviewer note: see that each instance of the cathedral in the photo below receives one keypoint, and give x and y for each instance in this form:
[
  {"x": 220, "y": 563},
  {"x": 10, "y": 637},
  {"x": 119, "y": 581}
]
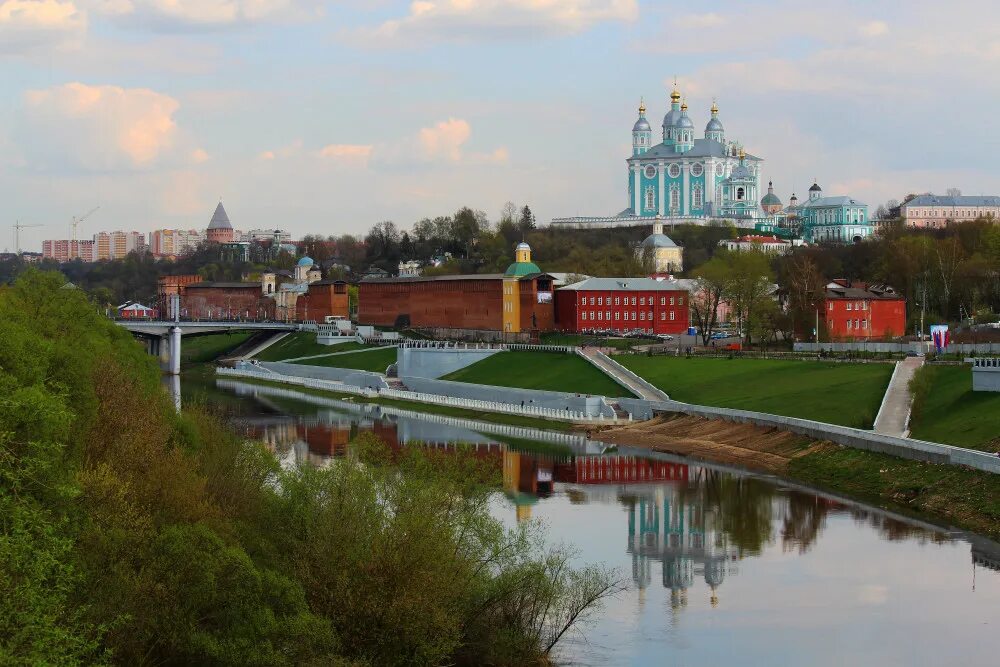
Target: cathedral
[
  {"x": 687, "y": 177},
  {"x": 681, "y": 178}
]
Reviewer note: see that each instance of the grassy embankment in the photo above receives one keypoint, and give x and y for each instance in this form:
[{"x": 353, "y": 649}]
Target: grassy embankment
[
  {"x": 836, "y": 393},
  {"x": 579, "y": 339},
  {"x": 299, "y": 344},
  {"x": 549, "y": 371},
  {"x": 946, "y": 409},
  {"x": 202, "y": 349},
  {"x": 964, "y": 497},
  {"x": 374, "y": 360}
]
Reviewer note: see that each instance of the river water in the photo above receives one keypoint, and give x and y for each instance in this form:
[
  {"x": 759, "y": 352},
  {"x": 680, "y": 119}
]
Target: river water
[{"x": 724, "y": 567}]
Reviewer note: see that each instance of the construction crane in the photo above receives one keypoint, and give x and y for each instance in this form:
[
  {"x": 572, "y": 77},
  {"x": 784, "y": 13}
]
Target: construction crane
[
  {"x": 74, "y": 246},
  {"x": 17, "y": 234}
]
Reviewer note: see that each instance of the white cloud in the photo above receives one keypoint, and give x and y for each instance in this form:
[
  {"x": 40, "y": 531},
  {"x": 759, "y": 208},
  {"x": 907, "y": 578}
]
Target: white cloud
[
  {"x": 347, "y": 153},
  {"x": 101, "y": 128},
  {"x": 444, "y": 139},
  {"x": 27, "y": 24},
  {"x": 177, "y": 14},
  {"x": 874, "y": 29},
  {"x": 477, "y": 19}
]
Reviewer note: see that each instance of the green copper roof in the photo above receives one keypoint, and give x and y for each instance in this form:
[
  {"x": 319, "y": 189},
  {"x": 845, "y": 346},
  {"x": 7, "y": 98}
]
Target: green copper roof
[{"x": 522, "y": 269}]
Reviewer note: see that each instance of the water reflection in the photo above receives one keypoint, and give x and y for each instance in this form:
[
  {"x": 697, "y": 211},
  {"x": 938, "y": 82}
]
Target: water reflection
[{"x": 718, "y": 548}]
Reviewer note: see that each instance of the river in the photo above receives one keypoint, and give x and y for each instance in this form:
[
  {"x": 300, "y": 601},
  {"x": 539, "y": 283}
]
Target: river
[{"x": 725, "y": 567}]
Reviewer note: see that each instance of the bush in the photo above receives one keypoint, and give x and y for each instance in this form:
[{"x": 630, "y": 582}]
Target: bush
[{"x": 135, "y": 535}]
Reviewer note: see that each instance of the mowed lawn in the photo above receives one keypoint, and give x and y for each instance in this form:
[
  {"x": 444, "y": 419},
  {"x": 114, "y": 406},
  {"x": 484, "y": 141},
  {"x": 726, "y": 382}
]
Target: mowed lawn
[
  {"x": 550, "y": 371},
  {"x": 297, "y": 344},
  {"x": 208, "y": 347},
  {"x": 376, "y": 360},
  {"x": 953, "y": 414},
  {"x": 836, "y": 393}
]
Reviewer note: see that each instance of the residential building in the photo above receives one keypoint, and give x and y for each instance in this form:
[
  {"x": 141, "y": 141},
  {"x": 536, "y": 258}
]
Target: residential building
[
  {"x": 832, "y": 219},
  {"x": 519, "y": 300},
  {"x": 276, "y": 236},
  {"x": 64, "y": 250},
  {"x": 936, "y": 211},
  {"x": 410, "y": 269},
  {"x": 117, "y": 245},
  {"x": 856, "y": 310},
  {"x": 650, "y": 305},
  {"x": 771, "y": 245},
  {"x": 175, "y": 242}
]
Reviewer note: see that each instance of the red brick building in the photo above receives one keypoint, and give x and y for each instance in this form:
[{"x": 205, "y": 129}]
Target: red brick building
[
  {"x": 325, "y": 297},
  {"x": 650, "y": 305},
  {"x": 167, "y": 286},
  {"x": 226, "y": 301},
  {"x": 454, "y": 302},
  {"x": 858, "y": 311}
]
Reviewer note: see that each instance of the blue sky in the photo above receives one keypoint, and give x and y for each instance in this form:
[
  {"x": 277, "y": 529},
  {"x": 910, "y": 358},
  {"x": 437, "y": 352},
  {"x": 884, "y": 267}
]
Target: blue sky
[{"x": 326, "y": 117}]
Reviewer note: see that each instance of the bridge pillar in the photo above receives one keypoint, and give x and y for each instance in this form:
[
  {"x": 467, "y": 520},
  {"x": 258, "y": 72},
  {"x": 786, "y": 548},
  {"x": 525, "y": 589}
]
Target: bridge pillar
[
  {"x": 175, "y": 351},
  {"x": 162, "y": 346}
]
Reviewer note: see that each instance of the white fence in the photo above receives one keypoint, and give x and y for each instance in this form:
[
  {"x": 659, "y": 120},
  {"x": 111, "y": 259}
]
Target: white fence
[{"x": 419, "y": 397}]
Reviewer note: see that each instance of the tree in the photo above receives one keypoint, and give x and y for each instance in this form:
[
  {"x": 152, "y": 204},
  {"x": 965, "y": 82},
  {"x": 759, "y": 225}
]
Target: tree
[
  {"x": 954, "y": 192},
  {"x": 527, "y": 219},
  {"x": 711, "y": 280},
  {"x": 803, "y": 283},
  {"x": 748, "y": 279}
]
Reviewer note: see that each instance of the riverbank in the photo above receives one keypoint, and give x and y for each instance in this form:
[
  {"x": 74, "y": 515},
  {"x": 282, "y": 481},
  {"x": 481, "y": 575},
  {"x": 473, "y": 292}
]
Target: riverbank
[
  {"x": 965, "y": 498},
  {"x": 430, "y": 408}
]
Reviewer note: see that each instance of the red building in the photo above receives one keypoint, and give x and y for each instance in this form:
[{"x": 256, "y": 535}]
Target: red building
[
  {"x": 226, "y": 301},
  {"x": 454, "y": 302},
  {"x": 325, "y": 297},
  {"x": 858, "y": 311},
  {"x": 650, "y": 305}
]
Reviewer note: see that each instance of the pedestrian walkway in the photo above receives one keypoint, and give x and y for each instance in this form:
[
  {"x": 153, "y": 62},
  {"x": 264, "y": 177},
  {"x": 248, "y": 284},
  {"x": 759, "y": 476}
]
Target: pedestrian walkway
[
  {"x": 894, "y": 416},
  {"x": 623, "y": 376}
]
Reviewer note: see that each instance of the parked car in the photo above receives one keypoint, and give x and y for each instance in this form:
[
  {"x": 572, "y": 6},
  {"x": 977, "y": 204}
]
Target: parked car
[
  {"x": 664, "y": 336},
  {"x": 719, "y": 335}
]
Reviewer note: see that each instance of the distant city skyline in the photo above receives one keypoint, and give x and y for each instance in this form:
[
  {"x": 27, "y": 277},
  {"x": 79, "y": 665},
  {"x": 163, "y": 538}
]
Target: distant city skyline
[{"x": 327, "y": 117}]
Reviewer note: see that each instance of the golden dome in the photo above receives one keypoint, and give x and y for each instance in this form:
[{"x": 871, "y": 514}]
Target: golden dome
[
  {"x": 675, "y": 95},
  {"x": 642, "y": 105},
  {"x": 684, "y": 106},
  {"x": 715, "y": 107}
]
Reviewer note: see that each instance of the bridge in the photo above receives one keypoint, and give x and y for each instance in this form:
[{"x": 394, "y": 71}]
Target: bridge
[{"x": 163, "y": 337}]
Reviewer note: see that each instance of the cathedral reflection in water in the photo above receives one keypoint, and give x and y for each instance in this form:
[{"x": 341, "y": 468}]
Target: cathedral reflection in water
[{"x": 695, "y": 521}]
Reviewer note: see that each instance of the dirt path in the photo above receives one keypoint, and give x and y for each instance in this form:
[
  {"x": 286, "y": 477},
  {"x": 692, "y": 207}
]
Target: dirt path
[{"x": 753, "y": 447}]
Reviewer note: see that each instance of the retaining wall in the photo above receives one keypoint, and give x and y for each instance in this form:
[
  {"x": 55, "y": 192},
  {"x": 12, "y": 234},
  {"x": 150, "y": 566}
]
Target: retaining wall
[
  {"x": 589, "y": 405},
  {"x": 433, "y": 362},
  {"x": 986, "y": 375},
  {"x": 907, "y": 448},
  {"x": 903, "y": 348},
  {"x": 347, "y": 376}
]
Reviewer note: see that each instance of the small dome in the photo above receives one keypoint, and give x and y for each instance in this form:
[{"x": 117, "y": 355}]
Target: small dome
[
  {"x": 523, "y": 246},
  {"x": 306, "y": 261},
  {"x": 714, "y": 125},
  {"x": 770, "y": 199},
  {"x": 685, "y": 121},
  {"x": 641, "y": 125},
  {"x": 658, "y": 241},
  {"x": 815, "y": 188}
]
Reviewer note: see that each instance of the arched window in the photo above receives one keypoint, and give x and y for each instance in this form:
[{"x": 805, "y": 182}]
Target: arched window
[
  {"x": 740, "y": 194},
  {"x": 675, "y": 199},
  {"x": 650, "y": 197},
  {"x": 696, "y": 197}
]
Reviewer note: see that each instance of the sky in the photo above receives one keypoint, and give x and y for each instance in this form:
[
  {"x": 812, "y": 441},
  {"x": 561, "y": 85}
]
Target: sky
[{"x": 327, "y": 116}]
